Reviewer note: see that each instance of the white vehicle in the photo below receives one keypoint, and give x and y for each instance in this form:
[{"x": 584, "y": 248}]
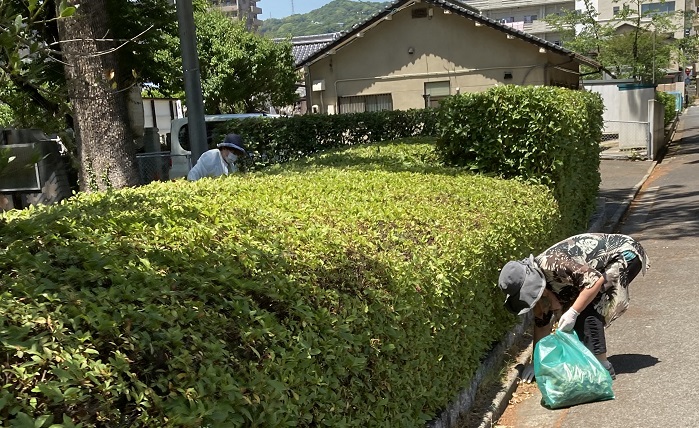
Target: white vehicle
[{"x": 180, "y": 148}]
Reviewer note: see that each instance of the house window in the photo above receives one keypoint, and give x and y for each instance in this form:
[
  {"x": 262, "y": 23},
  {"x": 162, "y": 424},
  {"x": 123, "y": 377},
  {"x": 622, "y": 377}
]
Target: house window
[
  {"x": 615, "y": 10},
  {"x": 507, "y": 20},
  {"x": 435, "y": 92},
  {"x": 528, "y": 19},
  {"x": 362, "y": 103},
  {"x": 656, "y": 8}
]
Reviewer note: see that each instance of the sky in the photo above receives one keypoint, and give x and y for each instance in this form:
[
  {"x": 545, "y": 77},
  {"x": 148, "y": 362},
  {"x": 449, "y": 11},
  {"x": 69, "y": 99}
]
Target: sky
[{"x": 282, "y": 8}]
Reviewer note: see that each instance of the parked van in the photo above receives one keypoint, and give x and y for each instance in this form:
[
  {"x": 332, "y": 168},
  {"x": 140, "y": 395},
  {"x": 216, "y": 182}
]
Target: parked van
[{"x": 180, "y": 147}]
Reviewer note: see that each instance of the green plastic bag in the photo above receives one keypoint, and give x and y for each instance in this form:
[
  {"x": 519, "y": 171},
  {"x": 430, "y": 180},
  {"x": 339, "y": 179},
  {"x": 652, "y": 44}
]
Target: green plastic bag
[{"x": 567, "y": 373}]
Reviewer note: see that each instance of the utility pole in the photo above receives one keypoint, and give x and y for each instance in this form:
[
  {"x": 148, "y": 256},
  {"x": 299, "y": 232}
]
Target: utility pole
[{"x": 192, "y": 79}]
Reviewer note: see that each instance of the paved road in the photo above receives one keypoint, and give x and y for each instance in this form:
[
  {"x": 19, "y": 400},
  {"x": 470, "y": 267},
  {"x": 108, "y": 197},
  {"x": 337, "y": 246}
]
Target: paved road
[{"x": 655, "y": 346}]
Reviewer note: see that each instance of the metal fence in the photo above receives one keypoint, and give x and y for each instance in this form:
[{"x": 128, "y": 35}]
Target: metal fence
[
  {"x": 156, "y": 166},
  {"x": 629, "y": 134}
]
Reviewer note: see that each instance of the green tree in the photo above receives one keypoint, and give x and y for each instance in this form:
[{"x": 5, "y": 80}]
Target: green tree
[
  {"x": 240, "y": 71},
  {"x": 30, "y": 77},
  {"x": 103, "y": 134},
  {"x": 34, "y": 63},
  {"x": 642, "y": 49}
]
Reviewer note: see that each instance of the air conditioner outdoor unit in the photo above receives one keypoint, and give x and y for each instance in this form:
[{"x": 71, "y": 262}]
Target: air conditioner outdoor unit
[{"x": 318, "y": 85}]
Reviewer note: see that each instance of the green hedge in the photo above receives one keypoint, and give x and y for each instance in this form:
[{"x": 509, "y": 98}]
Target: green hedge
[
  {"x": 670, "y": 103},
  {"x": 544, "y": 135},
  {"x": 335, "y": 293},
  {"x": 291, "y": 138}
]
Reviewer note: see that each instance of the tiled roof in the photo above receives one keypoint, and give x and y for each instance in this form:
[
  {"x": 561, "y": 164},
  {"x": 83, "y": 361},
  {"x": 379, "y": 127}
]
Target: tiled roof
[
  {"x": 457, "y": 7},
  {"x": 302, "y": 47}
]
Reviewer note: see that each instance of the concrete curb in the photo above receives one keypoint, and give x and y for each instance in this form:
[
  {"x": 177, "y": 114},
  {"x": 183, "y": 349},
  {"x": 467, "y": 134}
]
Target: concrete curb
[
  {"x": 502, "y": 399},
  {"x": 453, "y": 415}
]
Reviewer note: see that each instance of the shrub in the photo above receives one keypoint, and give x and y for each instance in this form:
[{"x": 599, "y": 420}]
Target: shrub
[
  {"x": 669, "y": 101},
  {"x": 542, "y": 135},
  {"x": 285, "y": 139},
  {"x": 332, "y": 293}
]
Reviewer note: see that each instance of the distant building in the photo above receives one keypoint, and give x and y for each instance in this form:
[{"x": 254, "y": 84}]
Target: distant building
[
  {"x": 525, "y": 15},
  {"x": 242, "y": 10}
]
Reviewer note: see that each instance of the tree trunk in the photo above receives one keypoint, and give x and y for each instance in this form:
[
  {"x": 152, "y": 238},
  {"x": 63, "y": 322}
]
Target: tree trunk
[{"x": 103, "y": 136}]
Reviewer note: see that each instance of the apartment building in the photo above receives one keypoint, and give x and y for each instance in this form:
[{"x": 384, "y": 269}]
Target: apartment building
[
  {"x": 242, "y": 10},
  {"x": 679, "y": 10},
  {"x": 525, "y": 15}
]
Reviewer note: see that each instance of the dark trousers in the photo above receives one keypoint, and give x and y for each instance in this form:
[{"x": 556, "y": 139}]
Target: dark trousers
[{"x": 590, "y": 323}]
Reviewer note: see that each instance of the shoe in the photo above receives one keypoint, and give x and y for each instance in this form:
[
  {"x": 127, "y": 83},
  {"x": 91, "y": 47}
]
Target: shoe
[{"x": 610, "y": 368}]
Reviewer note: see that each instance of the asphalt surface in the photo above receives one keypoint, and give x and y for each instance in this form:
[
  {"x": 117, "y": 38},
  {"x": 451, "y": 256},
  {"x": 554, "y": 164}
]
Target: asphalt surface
[{"x": 654, "y": 345}]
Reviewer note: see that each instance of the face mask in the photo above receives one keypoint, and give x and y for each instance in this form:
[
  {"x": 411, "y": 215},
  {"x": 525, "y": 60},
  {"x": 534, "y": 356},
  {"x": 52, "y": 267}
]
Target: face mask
[{"x": 231, "y": 158}]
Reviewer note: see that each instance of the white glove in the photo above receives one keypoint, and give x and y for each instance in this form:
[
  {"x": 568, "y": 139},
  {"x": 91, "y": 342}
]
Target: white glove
[
  {"x": 567, "y": 321},
  {"x": 527, "y": 374}
]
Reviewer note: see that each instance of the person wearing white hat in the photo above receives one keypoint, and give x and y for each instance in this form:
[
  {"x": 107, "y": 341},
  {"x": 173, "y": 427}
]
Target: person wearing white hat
[
  {"x": 581, "y": 281},
  {"x": 219, "y": 161}
]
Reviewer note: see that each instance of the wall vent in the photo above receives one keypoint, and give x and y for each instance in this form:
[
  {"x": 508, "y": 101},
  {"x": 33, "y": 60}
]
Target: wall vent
[{"x": 420, "y": 12}]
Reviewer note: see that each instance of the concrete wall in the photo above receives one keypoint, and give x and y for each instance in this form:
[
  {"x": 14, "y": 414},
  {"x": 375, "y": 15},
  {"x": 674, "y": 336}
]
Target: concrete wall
[
  {"x": 400, "y": 55},
  {"x": 656, "y": 113},
  {"x": 609, "y": 91}
]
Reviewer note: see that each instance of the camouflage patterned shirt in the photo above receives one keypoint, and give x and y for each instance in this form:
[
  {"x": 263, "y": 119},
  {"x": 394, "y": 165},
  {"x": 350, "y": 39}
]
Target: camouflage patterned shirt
[{"x": 579, "y": 261}]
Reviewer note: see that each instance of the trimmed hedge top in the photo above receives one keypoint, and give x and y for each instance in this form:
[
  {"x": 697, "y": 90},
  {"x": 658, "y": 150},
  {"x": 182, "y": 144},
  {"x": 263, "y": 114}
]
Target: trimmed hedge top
[
  {"x": 330, "y": 293},
  {"x": 543, "y": 135}
]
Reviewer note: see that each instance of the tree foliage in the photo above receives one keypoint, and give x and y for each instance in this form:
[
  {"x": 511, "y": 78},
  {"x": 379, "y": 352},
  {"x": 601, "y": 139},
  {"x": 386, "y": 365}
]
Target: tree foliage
[
  {"x": 31, "y": 80},
  {"x": 34, "y": 62},
  {"x": 338, "y": 15},
  {"x": 643, "y": 48},
  {"x": 144, "y": 27},
  {"x": 240, "y": 71}
]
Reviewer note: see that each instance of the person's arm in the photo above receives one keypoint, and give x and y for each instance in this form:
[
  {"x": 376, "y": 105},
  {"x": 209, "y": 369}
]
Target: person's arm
[
  {"x": 204, "y": 166},
  {"x": 590, "y": 283},
  {"x": 587, "y": 295},
  {"x": 194, "y": 173},
  {"x": 541, "y": 332}
]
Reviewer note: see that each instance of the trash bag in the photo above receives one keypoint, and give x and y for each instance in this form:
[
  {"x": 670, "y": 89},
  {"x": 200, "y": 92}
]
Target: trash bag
[{"x": 567, "y": 373}]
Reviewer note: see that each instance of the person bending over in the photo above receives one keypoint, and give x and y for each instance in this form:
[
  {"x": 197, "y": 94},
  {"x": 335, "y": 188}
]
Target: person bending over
[
  {"x": 581, "y": 281},
  {"x": 219, "y": 161}
]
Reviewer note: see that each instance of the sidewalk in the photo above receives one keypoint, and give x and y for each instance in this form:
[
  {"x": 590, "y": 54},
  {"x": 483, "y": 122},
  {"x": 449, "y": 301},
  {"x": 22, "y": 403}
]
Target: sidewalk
[{"x": 628, "y": 188}]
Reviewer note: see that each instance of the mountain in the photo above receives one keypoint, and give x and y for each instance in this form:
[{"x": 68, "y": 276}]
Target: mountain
[{"x": 338, "y": 15}]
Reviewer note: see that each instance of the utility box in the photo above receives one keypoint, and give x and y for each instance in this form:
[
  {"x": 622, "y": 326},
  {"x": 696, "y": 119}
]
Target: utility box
[
  {"x": 22, "y": 173},
  {"x": 37, "y": 173}
]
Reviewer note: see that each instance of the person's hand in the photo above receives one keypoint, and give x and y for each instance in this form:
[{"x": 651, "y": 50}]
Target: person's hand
[
  {"x": 527, "y": 374},
  {"x": 567, "y": 321}
]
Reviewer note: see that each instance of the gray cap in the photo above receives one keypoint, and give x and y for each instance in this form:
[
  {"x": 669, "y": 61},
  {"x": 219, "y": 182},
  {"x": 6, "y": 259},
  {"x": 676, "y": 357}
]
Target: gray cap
[{"x": 524, "y": 283}]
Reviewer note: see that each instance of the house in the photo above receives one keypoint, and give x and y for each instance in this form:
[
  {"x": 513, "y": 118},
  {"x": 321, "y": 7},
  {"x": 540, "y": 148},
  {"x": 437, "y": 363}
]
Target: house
[
  {"x": 416, "y": 52},
  {"x": 303, "y": 47}
]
